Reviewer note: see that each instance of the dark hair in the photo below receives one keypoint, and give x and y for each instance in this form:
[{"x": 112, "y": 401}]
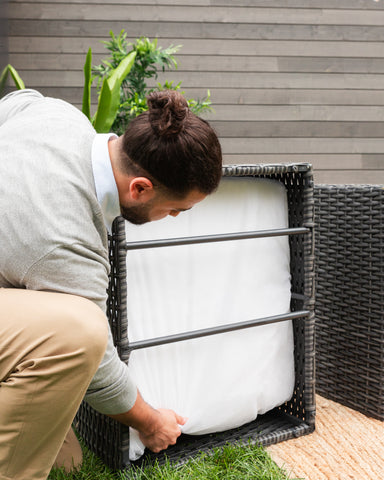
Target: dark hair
[{"x": 173, "y": 146}]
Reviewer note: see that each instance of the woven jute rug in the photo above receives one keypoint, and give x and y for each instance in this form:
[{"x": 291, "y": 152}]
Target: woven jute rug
[{"x": 346, "y": 445}]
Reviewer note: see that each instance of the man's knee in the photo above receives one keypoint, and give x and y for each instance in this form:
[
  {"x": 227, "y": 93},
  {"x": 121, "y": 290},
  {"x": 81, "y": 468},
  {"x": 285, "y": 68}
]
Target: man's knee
[
  {"x": 65, "y": 330},
  {"x": 85, "y": 329}
]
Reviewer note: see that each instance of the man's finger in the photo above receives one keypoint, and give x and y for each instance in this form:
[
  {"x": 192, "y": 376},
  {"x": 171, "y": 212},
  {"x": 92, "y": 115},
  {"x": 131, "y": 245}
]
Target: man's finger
[{"x": 181, "y": 420}]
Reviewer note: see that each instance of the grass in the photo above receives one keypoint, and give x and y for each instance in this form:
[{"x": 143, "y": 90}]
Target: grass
[{"x": 232, "y": 462}]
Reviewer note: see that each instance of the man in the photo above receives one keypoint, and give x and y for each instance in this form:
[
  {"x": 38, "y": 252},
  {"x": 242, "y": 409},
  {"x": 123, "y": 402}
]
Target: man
[{"x": 61, "y": 184}]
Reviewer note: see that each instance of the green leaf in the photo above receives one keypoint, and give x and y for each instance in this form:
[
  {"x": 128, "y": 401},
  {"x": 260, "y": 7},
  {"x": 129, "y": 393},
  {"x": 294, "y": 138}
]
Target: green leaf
[
  {"x": 3, "y": 79},
  {"x": 16, "y": 78},
  {"x": 109, "y": 98},
  {"x": 87, "y": 85}
]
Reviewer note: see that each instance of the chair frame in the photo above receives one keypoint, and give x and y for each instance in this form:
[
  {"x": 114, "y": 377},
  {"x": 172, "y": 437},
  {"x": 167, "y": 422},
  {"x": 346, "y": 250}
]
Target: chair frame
[{"x": 110, "y": 440}]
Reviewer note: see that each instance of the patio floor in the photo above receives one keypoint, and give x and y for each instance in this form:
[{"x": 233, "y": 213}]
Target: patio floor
[{"x": 346, "y": 445}]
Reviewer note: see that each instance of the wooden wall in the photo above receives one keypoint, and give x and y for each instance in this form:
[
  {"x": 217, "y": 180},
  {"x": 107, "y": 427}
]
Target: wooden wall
[
  {"x": 3, "y": 33},
  {"x": 291, "y": 80}
]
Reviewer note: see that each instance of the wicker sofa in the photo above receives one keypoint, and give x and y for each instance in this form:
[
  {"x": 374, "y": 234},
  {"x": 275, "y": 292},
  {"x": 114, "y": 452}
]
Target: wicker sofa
[{"x": 349, "y": 240}]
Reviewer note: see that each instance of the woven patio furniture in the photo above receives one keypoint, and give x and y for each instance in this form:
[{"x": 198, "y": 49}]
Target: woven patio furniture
[
  {"x": 350, "y": 295},
  {"x": 110, "y": 440}
]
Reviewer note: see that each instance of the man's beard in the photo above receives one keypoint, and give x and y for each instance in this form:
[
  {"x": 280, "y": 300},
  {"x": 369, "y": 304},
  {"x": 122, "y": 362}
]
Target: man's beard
[{"x": 137, "y": 214}]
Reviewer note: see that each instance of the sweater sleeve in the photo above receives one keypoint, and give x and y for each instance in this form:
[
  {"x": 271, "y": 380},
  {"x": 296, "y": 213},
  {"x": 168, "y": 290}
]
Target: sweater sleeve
[{"x": 84, "y": 272}]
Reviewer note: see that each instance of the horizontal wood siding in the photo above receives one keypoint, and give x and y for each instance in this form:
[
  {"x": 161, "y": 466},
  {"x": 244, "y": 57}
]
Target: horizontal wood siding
[
  {"x": 3, "y": 33},
  {"x": 290, "y": 80}
]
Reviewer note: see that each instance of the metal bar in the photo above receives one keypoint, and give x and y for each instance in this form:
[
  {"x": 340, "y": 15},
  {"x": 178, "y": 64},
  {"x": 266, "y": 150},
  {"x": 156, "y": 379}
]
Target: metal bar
[
  {"x": 215, "y": 238},
  {"x": 153, "y": 342}
]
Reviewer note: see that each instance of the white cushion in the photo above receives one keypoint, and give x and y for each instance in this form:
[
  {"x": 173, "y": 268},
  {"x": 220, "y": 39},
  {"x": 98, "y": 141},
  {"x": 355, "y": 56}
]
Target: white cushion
[{"x": 222, "y": 381}]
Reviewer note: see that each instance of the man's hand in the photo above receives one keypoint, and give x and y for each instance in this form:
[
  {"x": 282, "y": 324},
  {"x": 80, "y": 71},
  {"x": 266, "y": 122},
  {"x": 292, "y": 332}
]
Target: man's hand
[
  {"x": 165, "y": 431},
  {"x": 157, "y": 428}
]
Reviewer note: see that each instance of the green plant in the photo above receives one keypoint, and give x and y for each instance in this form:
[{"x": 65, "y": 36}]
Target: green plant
[
  {"x": 149, "y": 60},
  {"x": 9, "y": 70},
  {"x": 196, "y": 106},
  {"x": 109, "y": 93}
]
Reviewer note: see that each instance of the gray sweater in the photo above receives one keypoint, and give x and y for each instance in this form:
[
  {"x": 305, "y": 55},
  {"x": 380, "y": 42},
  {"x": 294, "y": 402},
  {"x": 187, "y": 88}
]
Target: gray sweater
[{"x": 52, "y": 229}]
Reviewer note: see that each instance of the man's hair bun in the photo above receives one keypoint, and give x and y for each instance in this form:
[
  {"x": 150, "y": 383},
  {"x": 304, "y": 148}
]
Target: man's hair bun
[{"x": 167, "y": 112}]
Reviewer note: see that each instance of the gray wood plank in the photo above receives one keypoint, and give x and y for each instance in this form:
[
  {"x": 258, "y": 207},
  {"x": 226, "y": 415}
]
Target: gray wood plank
[
  {"x": 280, "y": 96},
  {"x": 230, "y": 63},
  {"x": 370, "y": 177},
  {"x": 52, "y": 61},
  {"x": 211, "y": 80},
  {"x": 281, "y": 80},
  {"x": 277, "y": 80},
  {"x": 302, "y": 113},
  {"x": 57, "y": 44},
  {"x": 186, "y": 62},
  {"x": 329, "y": 65},
  {"x": 280, "y": 48},
  {"x": 123, "y": 2},
  {"x": 185, "y": 30},
  {"x": 240, "y": 63},
  {"x": 373, "y": 161},
  {"x": 289, "y": 129},
  {"x": 253, "y": 48},
  {"x": 348, "y": 162},
  {"x": 331, "y": 4},
  {"x": 264, "y": 96},
  {"x": 3, "y": 34},
  {"x": 302, "y": 145},
  {"x": 178, "y": 13}
]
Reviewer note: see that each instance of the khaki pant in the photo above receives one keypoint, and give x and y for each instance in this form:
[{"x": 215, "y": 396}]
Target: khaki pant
[{"x": 50, "y": 347}]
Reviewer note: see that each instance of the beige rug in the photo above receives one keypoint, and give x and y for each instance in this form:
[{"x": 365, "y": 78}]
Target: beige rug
[{"x": 345, "y": 446}]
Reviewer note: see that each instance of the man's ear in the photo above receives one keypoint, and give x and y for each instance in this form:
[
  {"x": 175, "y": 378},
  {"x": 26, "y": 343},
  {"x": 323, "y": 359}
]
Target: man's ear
[{"x": 141, "y": 189}]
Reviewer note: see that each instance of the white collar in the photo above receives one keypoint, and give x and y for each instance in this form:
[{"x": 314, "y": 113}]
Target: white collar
[{"x": 106, "y": 189}]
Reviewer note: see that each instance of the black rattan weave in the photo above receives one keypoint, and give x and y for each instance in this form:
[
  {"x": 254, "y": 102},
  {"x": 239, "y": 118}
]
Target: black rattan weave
[
  {"x": 350, "y": 295},
  {"x": 110, "y": 440}
]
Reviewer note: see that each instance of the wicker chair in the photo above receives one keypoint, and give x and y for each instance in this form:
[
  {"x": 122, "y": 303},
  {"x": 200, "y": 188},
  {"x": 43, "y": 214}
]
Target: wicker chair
[
  {"x": 110, "y": 440},
  {"x": 349, "y": 250}
]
